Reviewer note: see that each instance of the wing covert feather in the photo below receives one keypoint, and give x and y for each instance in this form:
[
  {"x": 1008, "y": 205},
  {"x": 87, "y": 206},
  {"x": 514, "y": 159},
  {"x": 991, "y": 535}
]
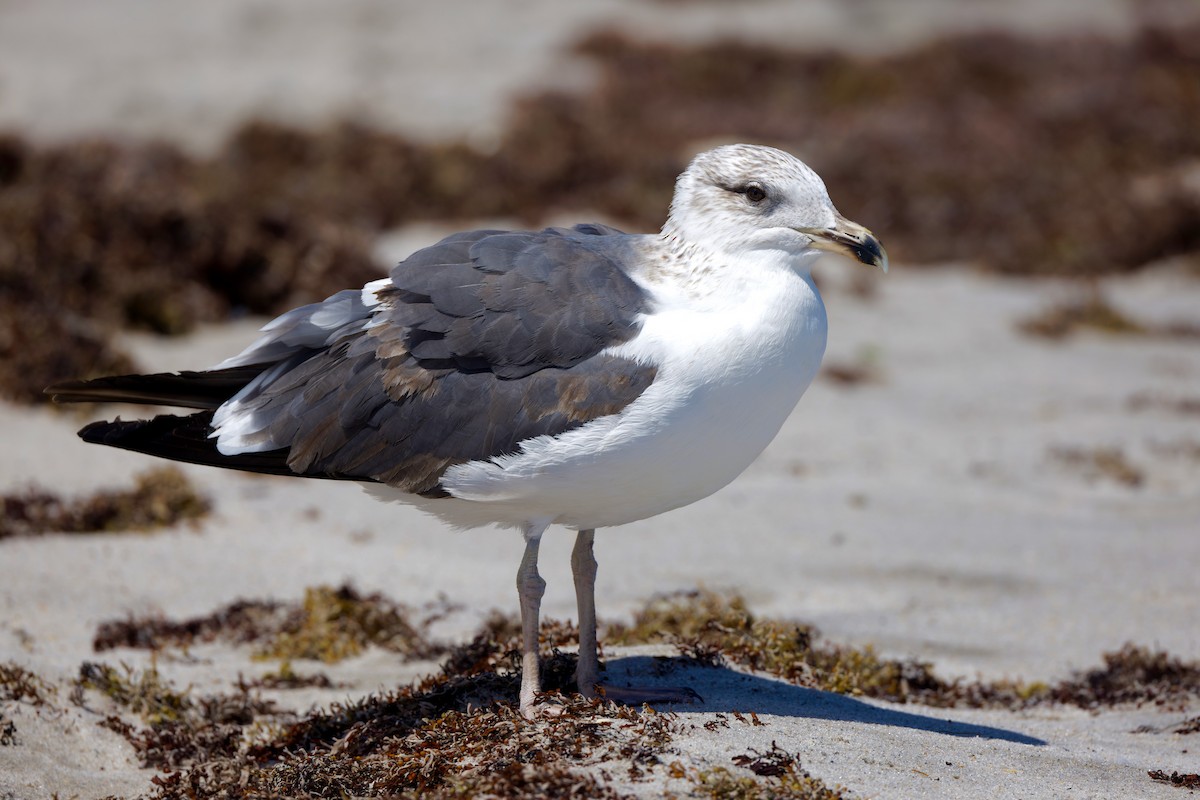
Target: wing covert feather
[{"x": 482, "y": 341}]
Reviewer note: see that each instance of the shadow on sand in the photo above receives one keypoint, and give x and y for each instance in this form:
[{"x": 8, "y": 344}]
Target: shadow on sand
[{"x": 726, "y": 690}]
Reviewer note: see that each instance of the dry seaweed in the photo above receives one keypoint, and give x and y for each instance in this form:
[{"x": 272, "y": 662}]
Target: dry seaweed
[
  {"x": 1092, "y": 313},
  {"x": 20, "y": 685},
  {"x": 1182, "y": 449},
  {"x": 452, "y": 735},
  {"x": 778, "y": 776},
  {"x": 160, "y": 498},
  {"x": 180, "y": 729},
  {"x": 334, "y": 624},
  {"x": 848, "y": 374},
  {"x": 286, "y": 677},
  {"x": 863, "y": 369},
  {"x": 144, "y": 693},
  {"x": 1146, "y": 401},
  {"x": 1189, "y": 780},
  {"x": 412, "y": 742},
  {"x": 1095, "y": 313},
  {"x": 330, "y": 624},
  {"x": 147, "y": 237},
  {"x": 1132, "y": 675},
  {"x": 8, "y": 731},
  {"x": 39, "y": 346},
  {"x": 707, "y": 628},
  {"x": 1100, "y": 462},
  {"x": 240, "y": 622},
  {"x": 458, "y": 734},
  {"x": 455, "y": 735},
  {"x": 1189, "y": 725}
]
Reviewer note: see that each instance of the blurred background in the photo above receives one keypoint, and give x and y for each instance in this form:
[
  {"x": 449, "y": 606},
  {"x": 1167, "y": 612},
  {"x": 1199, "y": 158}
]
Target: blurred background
[{"x": 164, "y": 164}]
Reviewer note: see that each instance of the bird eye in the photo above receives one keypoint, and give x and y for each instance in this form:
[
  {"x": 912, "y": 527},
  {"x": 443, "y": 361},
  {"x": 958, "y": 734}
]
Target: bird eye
[{"x": 754, "y": 193}]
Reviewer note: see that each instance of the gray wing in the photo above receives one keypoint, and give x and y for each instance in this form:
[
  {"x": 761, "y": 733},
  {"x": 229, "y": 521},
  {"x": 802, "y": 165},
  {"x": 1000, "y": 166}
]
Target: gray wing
[{"x": 480, "y": 342}]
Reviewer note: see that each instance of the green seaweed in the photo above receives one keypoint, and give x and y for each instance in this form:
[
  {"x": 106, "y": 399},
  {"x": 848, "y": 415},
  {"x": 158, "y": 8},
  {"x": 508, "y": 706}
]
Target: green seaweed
[{"x": 339, "y": 623}]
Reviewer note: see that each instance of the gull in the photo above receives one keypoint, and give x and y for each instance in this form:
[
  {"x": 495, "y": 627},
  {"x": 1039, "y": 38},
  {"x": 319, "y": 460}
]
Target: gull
[{"x": 577, "y": 376}]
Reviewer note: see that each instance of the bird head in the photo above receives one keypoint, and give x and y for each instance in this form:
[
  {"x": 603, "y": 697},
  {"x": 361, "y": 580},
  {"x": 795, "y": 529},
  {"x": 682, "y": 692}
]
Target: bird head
[{"x": 743, "y": 197}]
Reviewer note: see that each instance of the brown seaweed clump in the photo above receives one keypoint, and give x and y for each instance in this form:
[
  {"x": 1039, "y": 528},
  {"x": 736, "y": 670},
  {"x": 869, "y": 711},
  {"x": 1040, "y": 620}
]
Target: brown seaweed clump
[
  {"x": 330, "y": 624},
  {"x": 286, "y": 677},
  {"x": 1100, "y": 462},
  {"x": 776, "y": 775},
  {"x": 1132, "y": 675},
  {"x": 160, "y": 498},
  {"x": 1184, "y": 780},
  {"x": 96, "y": 236},
  {"x": 1094, "y": 313},
  {"x": 181, "y": 729},
  {"x": 18, "y": 684},
  {"x": 239, "y": 622},
  {"x": 457, "y": 734},
  {"x": 334, "y": 624},
  {"x": 445, "y": 737},
  {"x": 40, "y": 346}
]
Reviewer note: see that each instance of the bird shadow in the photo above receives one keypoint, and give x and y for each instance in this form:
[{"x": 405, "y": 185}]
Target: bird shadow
[{"x": 728, "y": 691}]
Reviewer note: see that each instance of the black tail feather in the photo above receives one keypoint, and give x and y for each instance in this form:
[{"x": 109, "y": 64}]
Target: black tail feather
[
  {"x": 184, "y": 389},
  {"x": 187, "y": 439}
]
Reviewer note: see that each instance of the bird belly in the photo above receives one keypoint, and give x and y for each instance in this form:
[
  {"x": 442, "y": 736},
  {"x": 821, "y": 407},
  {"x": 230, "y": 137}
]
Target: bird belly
[{"x": 726, "y": 384}]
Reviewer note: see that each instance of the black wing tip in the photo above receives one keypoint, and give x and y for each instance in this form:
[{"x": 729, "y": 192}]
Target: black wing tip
[
  {"x": 104, "y": 432},
  {"x": 92, "y": 433},
  {"x": 188, "y": 439}
]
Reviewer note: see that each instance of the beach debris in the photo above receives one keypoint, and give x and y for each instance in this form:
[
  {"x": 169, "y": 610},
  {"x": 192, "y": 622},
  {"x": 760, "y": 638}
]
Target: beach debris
[{"x": 160, "y": 498}]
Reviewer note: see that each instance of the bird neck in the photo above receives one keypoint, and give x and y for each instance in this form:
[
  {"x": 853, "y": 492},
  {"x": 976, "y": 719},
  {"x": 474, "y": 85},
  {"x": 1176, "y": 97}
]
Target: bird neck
[{"x": 683, "y": 258}]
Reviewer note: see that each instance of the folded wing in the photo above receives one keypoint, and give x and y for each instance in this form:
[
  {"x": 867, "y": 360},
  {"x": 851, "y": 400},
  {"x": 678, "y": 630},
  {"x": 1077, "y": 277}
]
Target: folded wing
[{"x": 474, "y": 345}]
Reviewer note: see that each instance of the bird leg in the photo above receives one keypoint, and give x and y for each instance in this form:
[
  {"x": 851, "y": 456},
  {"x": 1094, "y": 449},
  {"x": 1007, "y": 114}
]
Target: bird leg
[
  {"x": 583, "y": 567},
  {"x": 587, "y": 671},
  {"x": 530, "y": 588}
]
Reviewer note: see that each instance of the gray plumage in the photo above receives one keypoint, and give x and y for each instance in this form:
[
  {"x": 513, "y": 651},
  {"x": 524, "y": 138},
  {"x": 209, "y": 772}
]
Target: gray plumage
[{"x": 479, "y": 342}]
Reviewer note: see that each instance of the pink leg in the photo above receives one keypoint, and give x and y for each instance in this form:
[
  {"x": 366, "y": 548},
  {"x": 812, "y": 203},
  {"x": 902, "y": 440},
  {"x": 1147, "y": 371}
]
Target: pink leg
[
  {"x": 587, "y": 673},
  {"x": 583, "y": 567},
  {"x": 530, "y": 588}
]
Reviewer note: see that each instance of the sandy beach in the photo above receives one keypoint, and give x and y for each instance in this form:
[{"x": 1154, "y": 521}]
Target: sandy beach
[{"x": 996, "y": 503}]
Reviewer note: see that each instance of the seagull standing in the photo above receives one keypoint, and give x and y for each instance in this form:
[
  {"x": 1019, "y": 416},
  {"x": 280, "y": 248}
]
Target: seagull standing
[{"x": 575, "y": 376}]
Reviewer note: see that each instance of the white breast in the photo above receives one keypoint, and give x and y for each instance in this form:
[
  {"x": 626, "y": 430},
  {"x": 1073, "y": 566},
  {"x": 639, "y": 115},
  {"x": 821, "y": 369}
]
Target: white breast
[{"x": 730, "y": 373}]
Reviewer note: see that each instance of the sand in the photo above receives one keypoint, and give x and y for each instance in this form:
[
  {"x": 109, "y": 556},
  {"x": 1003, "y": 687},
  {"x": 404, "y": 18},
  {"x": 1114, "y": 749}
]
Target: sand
[{"x": 929, "y": 510}]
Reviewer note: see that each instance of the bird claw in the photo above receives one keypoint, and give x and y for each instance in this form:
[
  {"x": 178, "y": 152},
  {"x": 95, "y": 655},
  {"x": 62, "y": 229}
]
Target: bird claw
[
  {"x": 625, "y": 695},
  {"x": 538, "y": 711}
]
